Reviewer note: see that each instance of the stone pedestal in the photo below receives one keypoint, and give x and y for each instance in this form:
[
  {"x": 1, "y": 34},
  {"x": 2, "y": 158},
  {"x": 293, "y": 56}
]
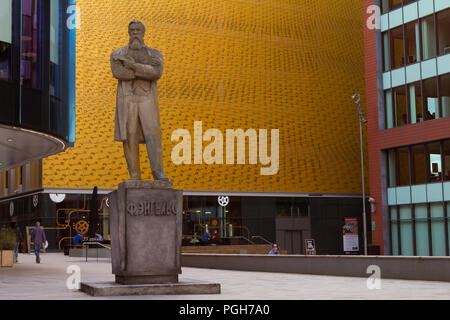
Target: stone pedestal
[
  {"x": 108, "y": 289},
  {"x": 145, "y": 223}
]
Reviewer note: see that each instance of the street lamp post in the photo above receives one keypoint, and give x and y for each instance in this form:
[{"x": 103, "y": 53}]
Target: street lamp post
[{"x": 357, "y": 98}]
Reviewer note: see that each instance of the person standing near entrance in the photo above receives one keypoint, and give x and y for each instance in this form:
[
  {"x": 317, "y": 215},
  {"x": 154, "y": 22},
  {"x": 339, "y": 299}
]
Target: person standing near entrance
[
  {"x": 38, "y": 237},
  {"x": 19, "y": 239}
]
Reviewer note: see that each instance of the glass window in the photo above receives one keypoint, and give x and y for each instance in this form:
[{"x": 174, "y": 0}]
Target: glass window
[
  {"x": 20, "y": 173},
  {"x": 6, "y": 21},
  {"x": 448, "y": 223},
  {"x": 400, "y": 106},
  {"x": 443, "y": 19},
  {"x": 406, "y": 233},
  {"x": 283, "y": 207},
  {"x": 434, "y": 154},
  {"x": 192, "y": 218},
  {"x": 403, "y": 167},
  {"x": 292, "y": 207},
  {"x": 397, "y": 48},
  {"x": 300, "y": 207},
  {"x": 437, "y": 229},
  {"x": 6, "y": 180},
  {"x": 395, "y": 4},
  {"x": 389, "y": 110},
  {"x": 54, "y": 48},
  {"x": 415, "y": 103},
  {"x": 31, "y": 39},
  {"x": 421, "y": 225},
  {"x": 384, "y": 6},
  {"x": 447, "y": 160},
  {"x": 5, "y": 39},
  {"x": 444, "y": 92},
  {"x": 394, "y": 231},
  {"x": 428, "y": 38},
  {"x": 412, "y": 42},
  {"x": 419, "y": 164},
  {"x": 210, "y": 213},
  {"x": 389, "y": 5},
  {"x": 387, "y": 57},
  {"x": 430, "y": 99},
  {"x": 391, "y": 168},
  {"x": 201, "y": 213}
]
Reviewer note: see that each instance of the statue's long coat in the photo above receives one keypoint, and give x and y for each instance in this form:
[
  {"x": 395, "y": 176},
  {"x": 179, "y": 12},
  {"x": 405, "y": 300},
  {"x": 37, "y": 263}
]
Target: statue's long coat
[{"x": 150, "y": 74}]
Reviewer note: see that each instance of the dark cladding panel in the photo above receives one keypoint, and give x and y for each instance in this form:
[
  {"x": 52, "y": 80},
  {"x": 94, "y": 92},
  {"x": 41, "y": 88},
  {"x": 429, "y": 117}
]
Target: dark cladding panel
[
  {"x": 327, "y": 219},
  {"x": 8, "y": 103},
  {"x": 258, "y": 214}
]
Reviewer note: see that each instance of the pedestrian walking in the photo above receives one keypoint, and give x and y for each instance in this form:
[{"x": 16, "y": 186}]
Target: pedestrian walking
[{"x": 38, "y": 237}]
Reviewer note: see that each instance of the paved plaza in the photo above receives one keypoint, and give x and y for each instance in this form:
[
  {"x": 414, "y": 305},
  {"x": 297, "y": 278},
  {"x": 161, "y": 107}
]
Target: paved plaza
[{"x": 47, "y": 280}]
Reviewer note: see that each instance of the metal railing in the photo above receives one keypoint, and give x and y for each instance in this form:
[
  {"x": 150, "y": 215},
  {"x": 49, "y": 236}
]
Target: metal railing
[
  {"x": 243, "y": 228},
  {"x": 87, "y": 243},
  {"x": 262, "y": 238},
  {"x": 95, "y": 242},
  {"x": 242, "y": 237}
]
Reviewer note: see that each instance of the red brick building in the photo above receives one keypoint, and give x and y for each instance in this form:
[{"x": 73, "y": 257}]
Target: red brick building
[{"x": 408, "y": 111}]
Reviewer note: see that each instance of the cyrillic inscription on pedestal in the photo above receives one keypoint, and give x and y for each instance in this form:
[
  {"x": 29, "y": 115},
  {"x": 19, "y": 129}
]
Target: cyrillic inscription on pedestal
[{"x": 146, "y": 220}]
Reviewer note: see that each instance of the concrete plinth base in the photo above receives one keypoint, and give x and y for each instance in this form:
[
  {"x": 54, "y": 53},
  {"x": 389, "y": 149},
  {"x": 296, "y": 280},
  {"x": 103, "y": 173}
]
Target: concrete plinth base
[
  {"x": 146, "y": 279},
  {"x": 99, "y": 289}
]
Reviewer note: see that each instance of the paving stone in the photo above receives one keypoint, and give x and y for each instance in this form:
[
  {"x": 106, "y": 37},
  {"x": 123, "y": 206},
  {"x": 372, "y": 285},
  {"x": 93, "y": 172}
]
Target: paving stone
[{"x": 47, "y": 280}]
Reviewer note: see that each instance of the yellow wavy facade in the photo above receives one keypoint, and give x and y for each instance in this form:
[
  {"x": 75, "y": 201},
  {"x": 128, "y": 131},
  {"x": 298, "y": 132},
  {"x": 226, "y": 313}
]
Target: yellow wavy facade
[{"x": 261, "y": 64}]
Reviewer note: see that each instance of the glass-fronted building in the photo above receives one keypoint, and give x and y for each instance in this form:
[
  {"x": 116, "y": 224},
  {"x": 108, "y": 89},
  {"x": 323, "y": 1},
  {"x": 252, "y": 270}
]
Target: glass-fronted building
[
  {"x": 37, "y": 67},
  {"x": 37, "y": 97},
  {"x": 408, "y": 97},
  {"x": 418, "y": 198}
]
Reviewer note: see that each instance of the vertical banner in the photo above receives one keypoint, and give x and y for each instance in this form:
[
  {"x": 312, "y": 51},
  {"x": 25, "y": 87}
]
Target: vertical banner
[
  {"x": 350, "y": 235},
  {"x": 5, "y": 21}
]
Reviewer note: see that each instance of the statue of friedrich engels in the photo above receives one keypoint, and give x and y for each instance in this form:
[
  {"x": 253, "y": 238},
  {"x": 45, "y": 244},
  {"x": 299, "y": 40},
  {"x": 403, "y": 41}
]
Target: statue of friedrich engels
[{"x": 137, "y": 68}]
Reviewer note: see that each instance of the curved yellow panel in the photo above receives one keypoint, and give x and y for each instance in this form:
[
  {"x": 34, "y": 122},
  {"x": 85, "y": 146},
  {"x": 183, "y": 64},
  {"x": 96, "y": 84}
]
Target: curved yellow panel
[{"x": 290, "y": 65}]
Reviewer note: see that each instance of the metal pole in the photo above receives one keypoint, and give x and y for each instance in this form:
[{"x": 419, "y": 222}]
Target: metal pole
[
  {"x": 357, "y": 97},
  {"x": 363, "y": 190}
]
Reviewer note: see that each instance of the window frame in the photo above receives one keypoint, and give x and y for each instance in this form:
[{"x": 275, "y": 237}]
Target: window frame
[
  {"x": 429, "y": 221},
  {"x": 412, "y": 164}
]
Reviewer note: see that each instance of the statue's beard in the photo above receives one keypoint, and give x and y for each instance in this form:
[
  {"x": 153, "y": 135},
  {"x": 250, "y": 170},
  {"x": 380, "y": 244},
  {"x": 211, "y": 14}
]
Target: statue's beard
[{"x": 136, "y": 43}]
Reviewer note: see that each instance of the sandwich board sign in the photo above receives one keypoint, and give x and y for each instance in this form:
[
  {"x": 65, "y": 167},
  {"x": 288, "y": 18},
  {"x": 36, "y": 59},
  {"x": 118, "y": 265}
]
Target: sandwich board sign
[{"x": 310, "y": 247}]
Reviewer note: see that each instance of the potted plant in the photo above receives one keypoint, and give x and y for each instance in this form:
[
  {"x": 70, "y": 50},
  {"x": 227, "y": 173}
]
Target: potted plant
[{"x": 7, "y": 245}]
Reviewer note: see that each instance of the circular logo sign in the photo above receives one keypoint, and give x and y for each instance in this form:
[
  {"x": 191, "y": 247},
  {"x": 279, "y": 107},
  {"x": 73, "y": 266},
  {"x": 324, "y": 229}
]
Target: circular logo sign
[
  {"x": 11, "y": 208},
  {"x": 35, "y": 200},
  {"x": 107, "y": 202},
  {"x": 57, "y": 197},
  {"x": 223, "y": 200}
]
